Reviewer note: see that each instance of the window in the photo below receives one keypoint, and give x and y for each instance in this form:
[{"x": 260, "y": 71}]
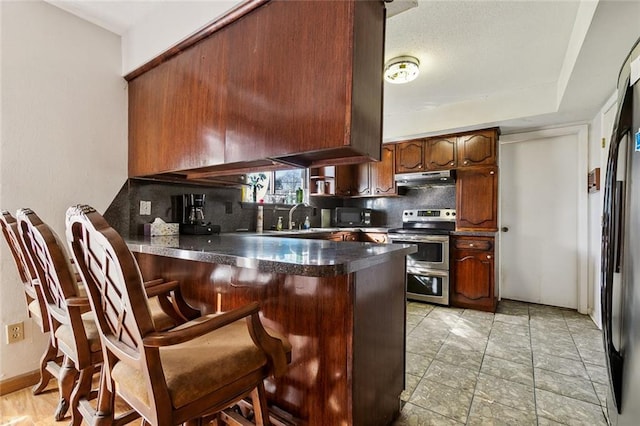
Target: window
[{"x": 275, "y": 187}]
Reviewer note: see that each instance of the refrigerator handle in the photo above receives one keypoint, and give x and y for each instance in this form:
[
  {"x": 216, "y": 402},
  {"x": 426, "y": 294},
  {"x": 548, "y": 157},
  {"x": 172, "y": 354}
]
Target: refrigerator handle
[{"x": 611, "y": 261}]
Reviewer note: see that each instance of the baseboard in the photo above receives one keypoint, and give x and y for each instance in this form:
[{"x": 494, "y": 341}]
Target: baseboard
[{"x": 19, "y": 382}]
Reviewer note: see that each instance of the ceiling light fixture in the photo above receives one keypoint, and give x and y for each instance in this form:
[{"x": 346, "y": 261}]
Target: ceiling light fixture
[{"x": 402, "y": 69}]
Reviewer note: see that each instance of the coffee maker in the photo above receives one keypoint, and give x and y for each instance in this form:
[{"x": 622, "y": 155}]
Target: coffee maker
[{"x": 188, "y": 211}]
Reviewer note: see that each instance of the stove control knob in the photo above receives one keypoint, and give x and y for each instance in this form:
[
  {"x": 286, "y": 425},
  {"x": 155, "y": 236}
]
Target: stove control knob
[
  {"x": 447, "y": 213},
  {"x": 453, "y": 214}
]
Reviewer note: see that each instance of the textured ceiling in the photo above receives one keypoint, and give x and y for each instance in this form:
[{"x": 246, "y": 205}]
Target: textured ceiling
[{"x": 518, "y": 64}]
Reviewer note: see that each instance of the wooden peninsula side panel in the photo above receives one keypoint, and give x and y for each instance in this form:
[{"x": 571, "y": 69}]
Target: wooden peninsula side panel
[{"x": 347, "y": 332}]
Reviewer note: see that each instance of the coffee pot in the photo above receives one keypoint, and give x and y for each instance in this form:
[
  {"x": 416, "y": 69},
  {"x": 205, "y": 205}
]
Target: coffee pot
[{"x": 188, "y": 211}]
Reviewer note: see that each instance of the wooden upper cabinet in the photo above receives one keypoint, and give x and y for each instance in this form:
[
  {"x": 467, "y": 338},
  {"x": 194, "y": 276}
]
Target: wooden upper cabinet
[
  {"x": 177, "y": 112},
  {"x": 410, "y": 156},
  {"x": 477, "y": 198},
  {"x": 477, "y": 149},
  {"x": 382, "y": 173},
  {"x": 376, "y": 178},
  {"x": 344, "y": 181},
  {"x": 441, "y": 154},
  {"x": 264, "y": 86}
]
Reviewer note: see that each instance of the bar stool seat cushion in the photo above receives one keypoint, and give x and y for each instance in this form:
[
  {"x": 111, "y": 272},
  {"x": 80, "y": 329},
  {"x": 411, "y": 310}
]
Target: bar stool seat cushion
[{"x": 200, "y": 366}]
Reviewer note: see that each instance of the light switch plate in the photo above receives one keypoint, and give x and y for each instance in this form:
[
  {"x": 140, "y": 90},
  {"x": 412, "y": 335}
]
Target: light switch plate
[{"x": 145, "y": 208}]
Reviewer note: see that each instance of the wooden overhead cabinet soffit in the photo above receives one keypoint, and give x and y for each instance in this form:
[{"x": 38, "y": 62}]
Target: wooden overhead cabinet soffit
[{"x": 277, "y": 82}]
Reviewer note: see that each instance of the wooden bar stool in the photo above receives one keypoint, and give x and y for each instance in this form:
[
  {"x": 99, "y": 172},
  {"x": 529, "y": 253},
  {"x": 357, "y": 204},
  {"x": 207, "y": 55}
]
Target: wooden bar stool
[
  {"x": 195, "y": 370},
  {"x": 72, "y": 323},
  {"x": 36, "y": 306}
]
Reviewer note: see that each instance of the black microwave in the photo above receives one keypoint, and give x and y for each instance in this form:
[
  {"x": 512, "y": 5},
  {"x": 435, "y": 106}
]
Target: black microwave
[{"x": 351, "y": 216}]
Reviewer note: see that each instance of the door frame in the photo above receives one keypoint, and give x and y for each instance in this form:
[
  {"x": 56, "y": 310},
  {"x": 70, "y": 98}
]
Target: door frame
[{"x": 582, "y": 222}]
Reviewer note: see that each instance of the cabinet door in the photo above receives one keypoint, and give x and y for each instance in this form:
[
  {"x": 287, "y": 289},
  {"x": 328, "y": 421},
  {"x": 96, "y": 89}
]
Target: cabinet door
[
  {"x": 410, "y": 156},
  {"x": 350, "y": 236},
  {"x": 441, "y": 154},
  {"x": 472, "y": 273},
  {"x": 381, "y": 173},
  {"x": 477, "y": 149},
  {"x": 363, "y": 180},
  {"x": 374, "y": 237},
  {"x": 344, "y": 181},
  {"x": 477, "y": 199},
  {"x": 177, "y": 112}
]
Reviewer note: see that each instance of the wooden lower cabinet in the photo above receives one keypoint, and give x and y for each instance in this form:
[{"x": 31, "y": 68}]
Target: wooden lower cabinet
[
  {"x": 374, "y": 237},
  {"x": 472, "y": 280}
]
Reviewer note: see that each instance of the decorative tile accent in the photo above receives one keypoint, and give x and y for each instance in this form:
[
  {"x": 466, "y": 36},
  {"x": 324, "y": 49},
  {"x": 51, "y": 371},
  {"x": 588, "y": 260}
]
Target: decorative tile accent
[
  {"x": 505, "y": 392},
  {"x": 567, "y": 410},
  {"x": 451, "y": 375},
  {"x": 556, "y": 364},
  {"x": 519, "y": 373},
  {"x": 572, "y": 387},
  {"x": 485, "y": 412},
  {"x": 413, "y": 415},
  {"x": 450, "y": 402}
]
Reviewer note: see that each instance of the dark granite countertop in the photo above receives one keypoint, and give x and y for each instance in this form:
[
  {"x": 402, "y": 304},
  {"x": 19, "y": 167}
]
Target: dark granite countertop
[{"x": 292, "y": 256}]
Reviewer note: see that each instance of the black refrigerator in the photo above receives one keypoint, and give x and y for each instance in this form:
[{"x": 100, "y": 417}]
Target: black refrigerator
[{"x": 620, "y": 280}]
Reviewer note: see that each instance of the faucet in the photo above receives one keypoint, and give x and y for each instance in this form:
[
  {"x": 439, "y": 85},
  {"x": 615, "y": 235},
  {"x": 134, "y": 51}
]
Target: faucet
[{"x": 291, "y": 213}]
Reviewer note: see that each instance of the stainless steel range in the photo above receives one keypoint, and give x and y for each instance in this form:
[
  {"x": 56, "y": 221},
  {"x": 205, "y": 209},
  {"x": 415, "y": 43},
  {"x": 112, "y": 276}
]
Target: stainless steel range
[{"x": 428, "y": 268}]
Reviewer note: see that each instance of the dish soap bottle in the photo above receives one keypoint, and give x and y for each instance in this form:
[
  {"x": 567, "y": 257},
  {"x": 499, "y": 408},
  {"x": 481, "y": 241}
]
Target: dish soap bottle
[
  {"x": 279, "y": 225},
  {"x": 306, "y": 225}
]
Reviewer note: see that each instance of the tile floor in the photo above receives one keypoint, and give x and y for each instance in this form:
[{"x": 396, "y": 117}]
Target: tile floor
[{"x": 525, "y": 365}]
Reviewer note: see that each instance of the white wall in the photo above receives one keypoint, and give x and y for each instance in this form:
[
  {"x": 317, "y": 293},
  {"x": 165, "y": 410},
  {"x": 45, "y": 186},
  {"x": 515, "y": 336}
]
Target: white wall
[
  {"x": 63, "y": 137},
  {"x": 165, "y": 27},
  {"x": 601, "y": 128}
]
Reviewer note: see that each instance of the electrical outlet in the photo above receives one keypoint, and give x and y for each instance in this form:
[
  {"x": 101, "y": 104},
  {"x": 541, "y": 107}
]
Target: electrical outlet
[
  {"x": 15, "y": 332},
  {"x": 145, "y": 208}
]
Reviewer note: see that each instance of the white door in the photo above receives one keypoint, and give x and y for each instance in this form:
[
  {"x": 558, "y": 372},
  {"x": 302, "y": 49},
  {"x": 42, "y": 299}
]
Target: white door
[{"x": 542, "y": 203}]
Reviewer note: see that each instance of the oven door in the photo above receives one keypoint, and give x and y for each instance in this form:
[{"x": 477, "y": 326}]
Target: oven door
[
  {"x": 428, "y": 285},
  {"x": 433, "y": 250}
]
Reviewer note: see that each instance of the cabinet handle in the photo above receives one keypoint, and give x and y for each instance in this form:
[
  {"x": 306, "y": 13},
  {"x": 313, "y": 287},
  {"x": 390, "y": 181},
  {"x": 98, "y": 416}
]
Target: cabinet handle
[
  {"x": 488, "y": 256},
  {"x": 451, "y": 163},
  {"x": 466, "y": 162},
  {"x": 492, "y": 172},
  {"x": 470, "y": 245}
]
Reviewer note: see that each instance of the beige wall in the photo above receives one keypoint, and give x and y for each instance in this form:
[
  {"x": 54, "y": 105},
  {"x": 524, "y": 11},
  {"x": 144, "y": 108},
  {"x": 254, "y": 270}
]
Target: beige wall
[{"x": 63, "y": 138}]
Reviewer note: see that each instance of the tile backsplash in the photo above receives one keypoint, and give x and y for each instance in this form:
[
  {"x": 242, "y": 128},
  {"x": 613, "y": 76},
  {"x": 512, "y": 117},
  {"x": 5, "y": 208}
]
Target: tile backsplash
[{"x": 223, "y": 206}]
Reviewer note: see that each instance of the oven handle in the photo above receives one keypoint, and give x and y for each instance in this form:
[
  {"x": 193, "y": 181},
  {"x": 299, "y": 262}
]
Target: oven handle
[
  {"x": 420, "y": 238},
  {"x": 424, "y": 271}
]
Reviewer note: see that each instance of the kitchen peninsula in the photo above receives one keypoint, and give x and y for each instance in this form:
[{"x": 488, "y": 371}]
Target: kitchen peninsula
[{"x": 341, "y": 305}]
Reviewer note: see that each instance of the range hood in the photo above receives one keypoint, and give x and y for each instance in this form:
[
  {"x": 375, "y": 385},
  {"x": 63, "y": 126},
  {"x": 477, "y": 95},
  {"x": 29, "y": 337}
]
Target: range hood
[{"x": 444, "y": 177}]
